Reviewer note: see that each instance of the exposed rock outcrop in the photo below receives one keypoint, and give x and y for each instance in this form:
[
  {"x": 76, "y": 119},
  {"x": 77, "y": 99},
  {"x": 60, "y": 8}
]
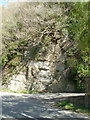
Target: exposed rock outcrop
[
  {"x": 40, "y": 40},
  {"x": 45, "y": 73}
]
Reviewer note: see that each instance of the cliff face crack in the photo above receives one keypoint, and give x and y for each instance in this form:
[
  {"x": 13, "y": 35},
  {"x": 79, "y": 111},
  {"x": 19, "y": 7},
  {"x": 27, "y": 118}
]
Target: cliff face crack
[{"x": 43, "y": 69}]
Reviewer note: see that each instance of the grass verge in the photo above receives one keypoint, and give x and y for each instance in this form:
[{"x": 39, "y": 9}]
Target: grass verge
[
  {"x": 25, "y": 92},
  {"x": 69, "y": 106}
]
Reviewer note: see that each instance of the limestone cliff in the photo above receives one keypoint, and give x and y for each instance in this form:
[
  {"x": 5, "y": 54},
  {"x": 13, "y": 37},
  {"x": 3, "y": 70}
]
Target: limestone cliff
[
  {"x": 40, "y": 41},
  {"x": 45, "y": 71}
]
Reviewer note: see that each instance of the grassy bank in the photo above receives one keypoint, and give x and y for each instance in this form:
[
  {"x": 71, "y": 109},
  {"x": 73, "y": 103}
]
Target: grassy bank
[
  {"x": 25, "y": 92},
  {"x": 69, "y": 106}
]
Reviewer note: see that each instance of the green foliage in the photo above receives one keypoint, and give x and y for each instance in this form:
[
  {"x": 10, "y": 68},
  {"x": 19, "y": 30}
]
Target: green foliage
[
  {"x": 66, "y": 105},
  {"x": 82, "y": 70},
  {"x": 14, "y": 62},
  {"x": 4, "y": 60},
  {"x": 78, "y": 24},
  {"x": 46, "y": 41},
  {"x": 78, "y": 57},
  {"x": 25, "y": 92},
  {"x": 62, "y": 103},
  {"x": 70, "y": 106}
]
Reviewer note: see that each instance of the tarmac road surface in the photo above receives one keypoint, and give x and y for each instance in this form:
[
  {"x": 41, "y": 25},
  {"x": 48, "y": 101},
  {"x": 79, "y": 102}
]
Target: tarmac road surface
[{"x": 16, "y": 106}]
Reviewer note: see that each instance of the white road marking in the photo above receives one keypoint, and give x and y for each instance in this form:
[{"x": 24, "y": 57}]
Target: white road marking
[{"x": 28, "y": 116}]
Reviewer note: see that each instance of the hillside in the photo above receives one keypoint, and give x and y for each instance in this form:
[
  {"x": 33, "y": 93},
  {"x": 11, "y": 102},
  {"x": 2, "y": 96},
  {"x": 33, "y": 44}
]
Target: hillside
[{"x": 45, "y": 47}]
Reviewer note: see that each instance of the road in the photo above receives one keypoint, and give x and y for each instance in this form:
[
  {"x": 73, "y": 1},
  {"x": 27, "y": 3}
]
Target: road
[{"x": 34, "y": 107}]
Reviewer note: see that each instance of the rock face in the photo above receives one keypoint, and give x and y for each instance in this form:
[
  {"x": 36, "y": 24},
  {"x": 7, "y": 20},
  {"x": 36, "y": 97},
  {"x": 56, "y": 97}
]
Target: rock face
[
  {"x": 45, "y": 52},
  {"x": 18, "y": 82},
  {"x": 39, "y": 75},
  {"x": 46, "y": 73}
]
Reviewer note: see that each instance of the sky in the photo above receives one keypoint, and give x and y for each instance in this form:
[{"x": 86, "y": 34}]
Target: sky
[{"x": 5, "y": 2}]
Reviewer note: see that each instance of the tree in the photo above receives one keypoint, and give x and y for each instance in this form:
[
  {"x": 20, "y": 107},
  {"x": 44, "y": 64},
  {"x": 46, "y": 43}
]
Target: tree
[{"x": 78, "y": 34}]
